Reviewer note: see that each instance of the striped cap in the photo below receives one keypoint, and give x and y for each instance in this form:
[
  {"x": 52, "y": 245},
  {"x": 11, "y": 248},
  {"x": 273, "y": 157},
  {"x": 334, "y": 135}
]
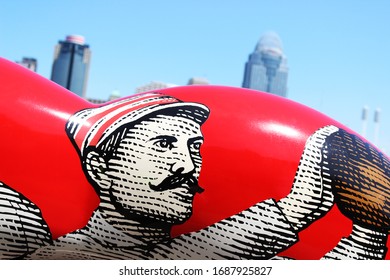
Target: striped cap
[{"x": 91, "y": 126}]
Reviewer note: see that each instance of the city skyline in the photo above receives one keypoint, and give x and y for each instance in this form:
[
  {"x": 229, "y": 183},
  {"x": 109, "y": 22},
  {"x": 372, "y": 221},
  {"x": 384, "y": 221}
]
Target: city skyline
[{"x": 337, "y": 53}]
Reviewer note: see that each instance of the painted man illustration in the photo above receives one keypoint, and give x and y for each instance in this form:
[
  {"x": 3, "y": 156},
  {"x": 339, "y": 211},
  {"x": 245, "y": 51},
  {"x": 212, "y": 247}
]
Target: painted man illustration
[{"x": 142, "y": 155}]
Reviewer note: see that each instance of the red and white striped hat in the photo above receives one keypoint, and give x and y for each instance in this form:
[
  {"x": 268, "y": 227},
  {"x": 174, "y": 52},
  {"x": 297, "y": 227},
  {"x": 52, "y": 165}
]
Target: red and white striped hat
[{"x": 89, "y": 127}]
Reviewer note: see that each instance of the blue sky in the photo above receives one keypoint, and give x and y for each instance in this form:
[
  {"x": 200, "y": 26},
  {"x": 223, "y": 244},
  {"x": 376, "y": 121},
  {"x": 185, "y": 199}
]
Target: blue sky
[{"x": 338, "y": 51}]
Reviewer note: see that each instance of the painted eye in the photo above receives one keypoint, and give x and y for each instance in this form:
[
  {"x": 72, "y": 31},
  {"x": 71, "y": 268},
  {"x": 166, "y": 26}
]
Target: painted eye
[
  {"x": 195, "y": 146},
  {"x": 164, "y": 143}
]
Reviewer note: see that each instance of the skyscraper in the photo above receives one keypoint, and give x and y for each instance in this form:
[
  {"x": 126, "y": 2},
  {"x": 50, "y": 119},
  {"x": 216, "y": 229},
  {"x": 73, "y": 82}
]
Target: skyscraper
[
  {"x": 266, "y": 69},
  {"x": 71, "y": 64}
]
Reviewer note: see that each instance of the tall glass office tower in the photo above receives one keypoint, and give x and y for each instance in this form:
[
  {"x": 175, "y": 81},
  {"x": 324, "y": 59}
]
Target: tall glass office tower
[
  {"x": 266, "y": 69},
  {"x": 71, "y": 64}
]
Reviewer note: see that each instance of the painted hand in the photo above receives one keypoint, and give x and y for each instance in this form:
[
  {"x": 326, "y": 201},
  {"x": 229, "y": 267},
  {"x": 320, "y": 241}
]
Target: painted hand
[{"x": 311, "y": 194}]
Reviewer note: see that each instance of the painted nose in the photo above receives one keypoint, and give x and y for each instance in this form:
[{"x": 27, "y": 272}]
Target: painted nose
[{"x": 184, "y": 164}]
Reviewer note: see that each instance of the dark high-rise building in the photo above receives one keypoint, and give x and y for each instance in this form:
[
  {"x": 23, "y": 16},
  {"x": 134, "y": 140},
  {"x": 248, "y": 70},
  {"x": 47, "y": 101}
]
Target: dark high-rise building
[
  {"x": 71, "y": 64},
  {"x": 266, "y": 69}
]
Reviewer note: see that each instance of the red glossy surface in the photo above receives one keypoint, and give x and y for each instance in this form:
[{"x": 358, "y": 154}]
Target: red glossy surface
[
  {"x": 37, "y": 158},
  {"x": 253, "y": 143}
]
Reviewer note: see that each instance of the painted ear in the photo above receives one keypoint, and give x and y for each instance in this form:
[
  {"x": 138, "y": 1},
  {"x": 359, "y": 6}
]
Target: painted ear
[{"x": 95, "y": 166}]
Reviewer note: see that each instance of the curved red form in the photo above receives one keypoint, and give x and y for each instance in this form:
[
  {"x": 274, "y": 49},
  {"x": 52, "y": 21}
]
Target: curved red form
[{"x": 253, "y": 145}]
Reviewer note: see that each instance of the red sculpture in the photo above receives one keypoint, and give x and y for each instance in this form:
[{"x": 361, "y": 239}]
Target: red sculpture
[{"x": 182, "y": 173}]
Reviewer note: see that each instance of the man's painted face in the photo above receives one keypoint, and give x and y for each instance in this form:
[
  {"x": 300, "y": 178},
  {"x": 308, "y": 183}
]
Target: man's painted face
[{"x": 156, "y": 168}]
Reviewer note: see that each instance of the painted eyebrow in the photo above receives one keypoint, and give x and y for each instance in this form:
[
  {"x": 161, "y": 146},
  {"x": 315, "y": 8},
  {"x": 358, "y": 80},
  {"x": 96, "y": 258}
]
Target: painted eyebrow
[
  {"x": 170, "y": 138},
  {"x": 196, "y": 139}
]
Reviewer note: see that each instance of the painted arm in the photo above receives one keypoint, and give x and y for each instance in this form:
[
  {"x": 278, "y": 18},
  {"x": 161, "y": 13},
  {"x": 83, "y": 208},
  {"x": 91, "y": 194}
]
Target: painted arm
[
  {"x": 259, "y": 232},
  {"x": 361, "y": 244}
]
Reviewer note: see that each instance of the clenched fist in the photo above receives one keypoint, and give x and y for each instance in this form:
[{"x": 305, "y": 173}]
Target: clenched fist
[{"x": 360, "y": 180}]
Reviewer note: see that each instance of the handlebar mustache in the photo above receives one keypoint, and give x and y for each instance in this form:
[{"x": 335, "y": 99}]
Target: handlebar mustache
[{"x": 179, "y": 180}]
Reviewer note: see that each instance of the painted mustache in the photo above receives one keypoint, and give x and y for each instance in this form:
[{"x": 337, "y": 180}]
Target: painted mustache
[{"x": 176, "y": 181}]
